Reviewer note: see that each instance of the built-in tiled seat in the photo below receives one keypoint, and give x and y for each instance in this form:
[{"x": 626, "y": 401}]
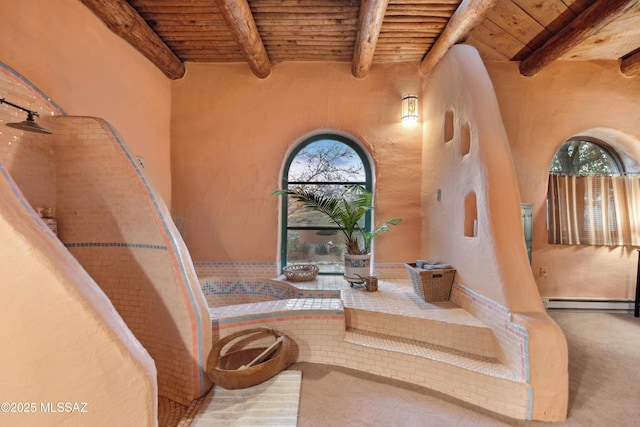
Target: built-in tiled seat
[{"x": 392, "y": 333}]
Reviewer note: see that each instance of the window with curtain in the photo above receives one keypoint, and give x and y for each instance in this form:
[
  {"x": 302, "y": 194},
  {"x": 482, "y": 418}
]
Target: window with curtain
[
  {"x": 329, "y": 163},
  {"x": 590, "y": 199}
]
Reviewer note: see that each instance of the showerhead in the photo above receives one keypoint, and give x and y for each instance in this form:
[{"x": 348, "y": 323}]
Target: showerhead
[{"x": 28, "y": 125}]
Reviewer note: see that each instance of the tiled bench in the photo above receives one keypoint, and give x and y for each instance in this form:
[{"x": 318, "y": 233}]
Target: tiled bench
[{"x": 389, "y": 333}]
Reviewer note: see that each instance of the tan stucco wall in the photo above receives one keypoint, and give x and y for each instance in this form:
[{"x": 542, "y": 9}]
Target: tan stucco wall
[
  {"x": 89, "y": 71},
  {"x": 540, "y": 113},
  {"x": 493, "y": 263},
  {"x": 231, "y": 133},
  {"x": 63, "y": 341},
  {"x": 491, "y": 260}
]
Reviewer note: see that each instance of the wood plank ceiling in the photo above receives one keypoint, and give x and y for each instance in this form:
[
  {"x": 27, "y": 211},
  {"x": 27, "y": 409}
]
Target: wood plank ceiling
[{"x": 369, "y": 32}]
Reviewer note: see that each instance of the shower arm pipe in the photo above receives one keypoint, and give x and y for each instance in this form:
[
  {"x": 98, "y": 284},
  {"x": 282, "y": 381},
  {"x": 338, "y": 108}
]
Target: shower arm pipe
[{"x": 31, "y": 113}]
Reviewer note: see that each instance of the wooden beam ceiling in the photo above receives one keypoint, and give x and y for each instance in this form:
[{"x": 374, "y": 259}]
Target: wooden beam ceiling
[
  {"x": 588, "y": 23},
  {"x": 239, "y": 19},
  {"x": 468, "y": 15},
  {"x": 168, "y": 32},
  {"x": 369, "y": 23},
  {"x": 124, "y": 21},
  {"x": 630, "y": 65}
]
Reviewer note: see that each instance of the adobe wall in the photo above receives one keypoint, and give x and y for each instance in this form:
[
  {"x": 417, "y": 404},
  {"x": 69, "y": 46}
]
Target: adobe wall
[
  {"x": 70, "y": 55},
  {"x": 540, "y": 113},
  {"x": 471, "y": 219},
  {"x": 232, "y": 132},
  {"x": 66, "y": 348}
]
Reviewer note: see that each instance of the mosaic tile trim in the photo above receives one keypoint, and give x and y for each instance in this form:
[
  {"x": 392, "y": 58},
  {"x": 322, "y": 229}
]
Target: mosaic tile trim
[
  {"x": 115, "y": 244},
  {"x": 237, "y": 287},
  {"x": 233, "y": 270},
  {"x": 272, "y": 289}
]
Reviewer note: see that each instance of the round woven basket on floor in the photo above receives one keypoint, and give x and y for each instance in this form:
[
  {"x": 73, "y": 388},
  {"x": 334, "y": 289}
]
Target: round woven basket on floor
[
  {"x": 301, "y": 272},
  {"x": 228, "y": 371}
]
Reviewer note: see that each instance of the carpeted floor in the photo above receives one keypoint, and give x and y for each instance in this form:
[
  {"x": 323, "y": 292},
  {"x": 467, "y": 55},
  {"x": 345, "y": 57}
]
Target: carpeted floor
[{"x": 604, "y": 386}]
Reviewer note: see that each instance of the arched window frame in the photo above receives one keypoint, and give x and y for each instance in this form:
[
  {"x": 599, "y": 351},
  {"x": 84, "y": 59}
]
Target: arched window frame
[
  {"x": 595, "y": 208},
  {"x": 367, "y": 183},
  {"x": 606, "y": 148}
]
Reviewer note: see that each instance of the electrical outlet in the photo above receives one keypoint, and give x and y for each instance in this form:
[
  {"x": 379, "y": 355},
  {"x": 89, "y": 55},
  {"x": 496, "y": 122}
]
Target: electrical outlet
[{"x": 544, "y": 272}]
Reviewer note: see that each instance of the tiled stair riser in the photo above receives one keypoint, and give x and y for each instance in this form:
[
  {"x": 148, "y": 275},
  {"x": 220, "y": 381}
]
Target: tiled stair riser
[
  {"x": 500, "y": 395},
  {"x": 468, "y": 338},
  {"x": 315, "y": 326}
]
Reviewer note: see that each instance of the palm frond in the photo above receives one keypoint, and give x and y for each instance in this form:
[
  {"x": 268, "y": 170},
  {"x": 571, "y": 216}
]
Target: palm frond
[{"x": 346, "y": 210}]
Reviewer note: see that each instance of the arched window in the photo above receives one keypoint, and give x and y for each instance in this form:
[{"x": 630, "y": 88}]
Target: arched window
[
  {"x": 585, "y": 156},
  {"x": 590, "y": 199},
  {"x": 327, "y": 163}
]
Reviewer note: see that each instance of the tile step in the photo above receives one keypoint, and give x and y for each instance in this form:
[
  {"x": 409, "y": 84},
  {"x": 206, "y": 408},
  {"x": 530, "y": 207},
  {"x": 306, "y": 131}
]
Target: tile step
[
  {"x": 460, "y": 331},
  {"x": 481, "y": 364}
]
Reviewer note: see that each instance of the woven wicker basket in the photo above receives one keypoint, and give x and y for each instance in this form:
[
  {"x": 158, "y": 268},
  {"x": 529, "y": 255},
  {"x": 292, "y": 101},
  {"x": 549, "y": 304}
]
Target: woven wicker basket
[
  {"x": 232, "y": 371},
  {"x": 301, "y": 272},
  {"x": 431, "y": 285}
]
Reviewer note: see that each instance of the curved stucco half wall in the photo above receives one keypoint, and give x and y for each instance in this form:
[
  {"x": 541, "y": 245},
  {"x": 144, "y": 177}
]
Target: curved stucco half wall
[
  {"x": 471, "y": 208},
  {"x": 66, "y": 348},
  {"x": 117, "y": 226}
]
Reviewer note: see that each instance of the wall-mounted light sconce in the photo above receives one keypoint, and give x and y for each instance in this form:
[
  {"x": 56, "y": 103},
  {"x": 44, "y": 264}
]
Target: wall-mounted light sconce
[
  {"x": 28, "y": 125},
  {"x": 410, "y": 108}
]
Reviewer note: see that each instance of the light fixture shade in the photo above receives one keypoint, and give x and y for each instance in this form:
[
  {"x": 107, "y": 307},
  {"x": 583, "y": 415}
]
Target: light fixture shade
[{"x": 410, "y": 108}]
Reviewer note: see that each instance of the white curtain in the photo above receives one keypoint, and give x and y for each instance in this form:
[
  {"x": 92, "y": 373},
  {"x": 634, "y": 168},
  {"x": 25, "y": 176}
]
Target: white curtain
[{"x": 594, "y": 210}]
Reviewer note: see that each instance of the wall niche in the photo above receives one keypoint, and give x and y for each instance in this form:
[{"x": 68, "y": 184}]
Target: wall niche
[
  {"x": 465, "y": 140},
  {"x": 470, "y": 215},
  {"x": 448, "y": 126}
]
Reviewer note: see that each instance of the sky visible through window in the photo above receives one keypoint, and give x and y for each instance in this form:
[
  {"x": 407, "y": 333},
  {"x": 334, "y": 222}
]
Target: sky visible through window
[
  {"x": 326, "y": 160},
  {"x": 327, "y": 166}
]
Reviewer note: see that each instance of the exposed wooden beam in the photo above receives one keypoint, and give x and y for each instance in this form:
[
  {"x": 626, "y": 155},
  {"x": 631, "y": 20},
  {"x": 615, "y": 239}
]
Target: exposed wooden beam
[
  {"x": 588, "y": 23},
  {"x": 466, "y": 17},
  {"x": 369, "y": 24},
  {"x": 124, "y": 21},
  {"x": 630, "y": 65},
  {"x": 239, "y": 19}
]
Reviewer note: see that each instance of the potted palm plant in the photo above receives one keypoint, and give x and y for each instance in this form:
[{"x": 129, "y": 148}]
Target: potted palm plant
[{"x": 346, "y": 210}]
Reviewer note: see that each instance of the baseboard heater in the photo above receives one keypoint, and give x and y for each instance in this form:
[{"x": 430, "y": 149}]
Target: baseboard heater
[{"x": 587, "y": 304}]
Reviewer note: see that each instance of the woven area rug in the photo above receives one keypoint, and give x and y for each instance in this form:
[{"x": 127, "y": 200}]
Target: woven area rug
[{"x": 272, "y": 403}]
